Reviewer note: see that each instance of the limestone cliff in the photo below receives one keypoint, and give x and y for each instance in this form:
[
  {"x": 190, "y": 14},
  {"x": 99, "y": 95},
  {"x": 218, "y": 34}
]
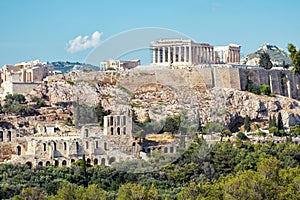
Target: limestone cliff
[{"x": 213, "y": 94}]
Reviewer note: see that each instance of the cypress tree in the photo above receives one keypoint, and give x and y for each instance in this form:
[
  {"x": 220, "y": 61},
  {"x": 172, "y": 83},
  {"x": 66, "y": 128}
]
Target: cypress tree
[
  {"x": 247, "y": 123},
  {"x": 279, "y": 122}
]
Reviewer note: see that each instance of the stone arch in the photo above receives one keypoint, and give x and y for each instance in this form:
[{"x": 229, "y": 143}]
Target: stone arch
[
  {"x": 133, "y": 144},
  {"x": 29, "y": 164},
  {"x": 19, "y": 150},
  {"x": 9, "y": 136},
  {"x": 124, "y": 131},
  {"x": 56, "y": 163},
  {"x": 40, "y": 163},
  {"x": 105, "y": 146},
  {"x": 102, "y": 161},
  {"x": 64, "y": 163},
  {"x": 48, "y": 163},
  {"x": 72, "y": 160},
  {"x": 88, "y": 161},
  {"x": 1, "y": 136},
  {"x": 95, "y": 161},
  {"x": 111, "y": 160},
  {"x": 112, "y": 131},
  {"x": 118, "y": 131}
]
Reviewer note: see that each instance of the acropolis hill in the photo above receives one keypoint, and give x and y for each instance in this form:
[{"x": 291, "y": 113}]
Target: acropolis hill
[{"x": 194, "y": 81}]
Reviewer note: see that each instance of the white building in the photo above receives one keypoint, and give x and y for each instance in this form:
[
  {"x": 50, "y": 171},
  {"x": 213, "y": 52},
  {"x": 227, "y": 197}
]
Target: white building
[
  {"x": 187, "y": 52},
  {"x": 118, "y": 65}
]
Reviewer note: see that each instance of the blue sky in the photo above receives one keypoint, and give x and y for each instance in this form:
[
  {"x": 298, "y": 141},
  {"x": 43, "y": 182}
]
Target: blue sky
[{"x": 42, "y": 29}]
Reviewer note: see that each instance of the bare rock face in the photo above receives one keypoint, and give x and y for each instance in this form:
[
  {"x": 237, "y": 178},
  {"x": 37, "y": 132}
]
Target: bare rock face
[
  {"x": 158, "y": 93},
  {"x": 259, "y": 107}
]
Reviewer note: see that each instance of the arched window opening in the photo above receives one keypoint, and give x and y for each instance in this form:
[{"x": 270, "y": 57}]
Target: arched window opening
[
  {"x": 29, "y": 164},
  {"x": 118, "y": 131},
  {"x": 124, "y": 120},
  {"x": 88, "y": 161},
  {"x": 86, "y": 133},
  {"x": 166, "y": 150},
  {"x": 118, "y": 120},
  {"x": 1, "y": 136},
  {"x": 96, "y": 144},
  {"x": 64, "y": 163},
  {"x": 56, "y": 163},
  {"x": 54, "y": 146},
  {"x": 124, "y": 131},
  {"x": 111, "y": 130},
  {"x": 87, "y": 145},
  {"x": 19, "y": 152},
  {"x": 9, "y": 136},
  {"x": 65, "y": 146},
  {"x": 77, "y": 146},
  {"x": 105, "y": 146},
  {"x": 45, "y": 146},
  {"x": 48, "y": 163},
  {"x": 111, "y": 121},
  {"x": 103, "y": 161},
  {"x": 111, "y": 160},
  {"x": 95, "y": 161}
]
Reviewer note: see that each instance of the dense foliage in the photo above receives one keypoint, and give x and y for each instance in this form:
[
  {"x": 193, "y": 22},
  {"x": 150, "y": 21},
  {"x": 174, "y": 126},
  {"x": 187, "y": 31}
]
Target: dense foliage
[
  {"x": 295, "y": 57},
  {"x": 265, "y": 60},
  {"x": 15, "y": 104},
  {"x": 221, "y": 171}
]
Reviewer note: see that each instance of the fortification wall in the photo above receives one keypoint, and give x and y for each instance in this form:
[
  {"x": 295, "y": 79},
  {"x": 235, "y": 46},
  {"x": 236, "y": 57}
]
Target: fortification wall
[{"x": 282, "y": 82}]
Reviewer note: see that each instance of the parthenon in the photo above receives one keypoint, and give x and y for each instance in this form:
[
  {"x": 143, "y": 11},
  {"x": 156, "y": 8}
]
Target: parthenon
[{"x": 188, "y": 52}]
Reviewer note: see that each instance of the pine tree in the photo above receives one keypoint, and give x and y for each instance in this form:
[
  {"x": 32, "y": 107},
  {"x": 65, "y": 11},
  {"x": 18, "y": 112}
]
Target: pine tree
[{"x": 247, "y": 123}]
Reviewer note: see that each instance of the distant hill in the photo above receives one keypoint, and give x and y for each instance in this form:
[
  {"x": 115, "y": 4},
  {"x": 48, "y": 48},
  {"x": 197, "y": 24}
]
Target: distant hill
[
  {"x": 277, "y": 55},
  {"x": 66, "y": 67}
]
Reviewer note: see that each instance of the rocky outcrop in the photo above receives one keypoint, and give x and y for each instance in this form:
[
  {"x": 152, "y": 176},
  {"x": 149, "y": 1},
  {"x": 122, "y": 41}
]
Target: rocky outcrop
[{"x": 257, "y": 107}]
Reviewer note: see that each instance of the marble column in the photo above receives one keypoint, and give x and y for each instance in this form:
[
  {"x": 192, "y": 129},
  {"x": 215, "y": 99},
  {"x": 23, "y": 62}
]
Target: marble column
[
  {"x": 190, "y": 54},
  {"x": 212, "y": 55},
  {"x": 174, "y": 54},
  {"x": 179, "y": 57},
  {"x": 169, "y": 54},
  {"x": 154, "y": 55},
  {"x": 185, "y": 54},
  {"x": 164, "y": 55}
]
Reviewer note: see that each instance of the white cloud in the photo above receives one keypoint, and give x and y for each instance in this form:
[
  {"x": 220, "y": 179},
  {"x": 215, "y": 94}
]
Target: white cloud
[{"x": 81, "y": 43}]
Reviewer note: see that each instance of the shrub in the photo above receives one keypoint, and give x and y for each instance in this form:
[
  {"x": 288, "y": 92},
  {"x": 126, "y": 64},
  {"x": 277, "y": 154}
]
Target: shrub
[
  {"x": 265, "y": 90},
  {"x": 242, "y": 136}
]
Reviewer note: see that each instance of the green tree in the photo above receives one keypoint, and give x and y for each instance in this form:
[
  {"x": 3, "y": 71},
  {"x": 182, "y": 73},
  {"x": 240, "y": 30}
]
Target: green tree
[
  {"x": 247, "y": 123},
  {"x": 265, "y": 60},
  {"x": 172, "y": 124},
  {"x": 132, "y": 191},
  {"x": 265, "y": 89},
  {"x": 295, "y": 57},
  {"x": 100, "y": 113},
  {"x": 241, "y": 136},
  {"x": 279, "y": 122},
  {"x": 94, "y": 192}
]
